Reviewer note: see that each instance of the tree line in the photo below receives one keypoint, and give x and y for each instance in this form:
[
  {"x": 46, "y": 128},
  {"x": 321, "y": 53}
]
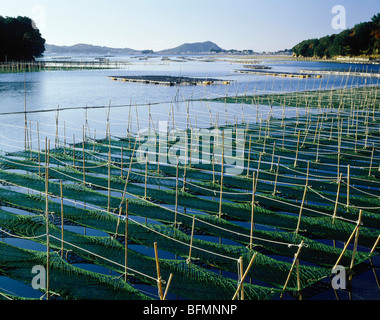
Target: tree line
[
  {"x": 362, "y": 39},
  {"x": 20, "y": 40}
]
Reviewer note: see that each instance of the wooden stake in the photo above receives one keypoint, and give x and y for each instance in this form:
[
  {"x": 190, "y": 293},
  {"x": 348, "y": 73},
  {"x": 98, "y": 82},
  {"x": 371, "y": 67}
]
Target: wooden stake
[
  {"x": 176, "y": 195},
  {"x": 159, "y": 280}
]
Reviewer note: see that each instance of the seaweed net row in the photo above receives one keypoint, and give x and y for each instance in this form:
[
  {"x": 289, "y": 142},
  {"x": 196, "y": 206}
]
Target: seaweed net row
[{"x": 288, "y": 158}]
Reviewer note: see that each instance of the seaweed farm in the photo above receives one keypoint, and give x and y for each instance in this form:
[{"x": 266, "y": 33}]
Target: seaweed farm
[{"x": 254, "y": 196}]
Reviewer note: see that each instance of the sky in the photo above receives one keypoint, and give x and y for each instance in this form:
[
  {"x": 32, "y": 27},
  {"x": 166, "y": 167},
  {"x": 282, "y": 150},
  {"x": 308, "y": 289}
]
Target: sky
[{"x": 259, "y": 25}]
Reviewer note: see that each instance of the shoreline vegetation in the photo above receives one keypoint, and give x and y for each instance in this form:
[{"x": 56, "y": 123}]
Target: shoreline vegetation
[
  {"x": 360, "y": 43},
  {"x": 20, "y": 39}
]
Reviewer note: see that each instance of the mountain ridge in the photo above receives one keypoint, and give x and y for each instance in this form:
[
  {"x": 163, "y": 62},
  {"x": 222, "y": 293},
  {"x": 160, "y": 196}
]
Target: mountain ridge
[{"x": 82, "y": 48}]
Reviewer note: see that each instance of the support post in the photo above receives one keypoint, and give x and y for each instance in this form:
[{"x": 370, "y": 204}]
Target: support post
[
  {"x": 244, "y": 276},
  {"x": 159, "y": 280},
  {"x": 337, "y": 198},
  {"x": 291, "y": 268}
]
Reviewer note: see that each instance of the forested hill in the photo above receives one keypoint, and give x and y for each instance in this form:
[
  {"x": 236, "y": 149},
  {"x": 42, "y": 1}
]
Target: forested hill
[
  {"x": 362, "y": 39},
  {"x": 20, "y": 40}
]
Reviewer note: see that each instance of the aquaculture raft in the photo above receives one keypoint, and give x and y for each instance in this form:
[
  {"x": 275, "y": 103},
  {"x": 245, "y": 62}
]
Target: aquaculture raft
[
  {"x": 307, "y": 199},
  {"x": 169, "y": 80}
]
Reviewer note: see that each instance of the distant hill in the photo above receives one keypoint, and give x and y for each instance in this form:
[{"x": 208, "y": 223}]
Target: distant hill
[
  {"x": 361, "y": 40},
  {"x": 82, "y": 48},
  {"x": 196, "y": 47}
]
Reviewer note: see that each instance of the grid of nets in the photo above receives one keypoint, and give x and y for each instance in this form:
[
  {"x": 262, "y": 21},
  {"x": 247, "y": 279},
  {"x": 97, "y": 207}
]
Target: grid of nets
[{"x": 323, "y": 159}]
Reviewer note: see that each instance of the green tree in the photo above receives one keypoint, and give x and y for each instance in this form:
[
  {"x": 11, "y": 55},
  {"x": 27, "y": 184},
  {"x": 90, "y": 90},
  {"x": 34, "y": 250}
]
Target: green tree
[{"x": 19, "y": 40}]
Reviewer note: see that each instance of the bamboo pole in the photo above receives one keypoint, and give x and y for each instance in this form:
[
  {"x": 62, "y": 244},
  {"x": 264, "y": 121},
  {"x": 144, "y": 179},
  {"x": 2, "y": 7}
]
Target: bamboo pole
[
  {"x": 146, "y": 177},
  {"x": 249, "y": 154},
  {"x": 38, "y": 146},
  {"x": 176, "y": 195},
  {"x": 370, "y": 165},
  {"x": 121, "y": 163},
  {"x": 356, "y": 239},
  {"x": 300, "y": 212},
  {"x": 83, "y": 161},
  {"x": 240, "y": 261},
  {"x": 118, "y": 221},
  {"x": 191, "y": 241},
  {"x": 348, "y": 186},
  {"x": 159, "y": 280},
  {"x": 74, "y": 151},
  {"x": 109, "y": 181},
  {"x": 275, "y": 180},
  {"x": 167, "y": 286},
  {"x": 129, "y": 170},
  {"x": 221, "y": 179},
  {"x": 47, "y": 156},
  {"x": 258, "y": 171},
  {"x": 303, "y": 199},
  {"x": 271, "y": 165},
  {"x": 292, "y": 267},
  {"x": 298, "y": 279},
  {"x": 126, "y": 240},
  {"x": 298, "y": 141},
  {"x": 337, "y": 198},
  {"x": 349, "y": 240},
  {"x": 25, "y": 117},
  {"x": 244, "y": 276},
  {"x": 62, "y": 222},
  {"x": 64, "y": 137},
  {"x": 375, "y": 244},
  {"x": 252, "y": 210}
]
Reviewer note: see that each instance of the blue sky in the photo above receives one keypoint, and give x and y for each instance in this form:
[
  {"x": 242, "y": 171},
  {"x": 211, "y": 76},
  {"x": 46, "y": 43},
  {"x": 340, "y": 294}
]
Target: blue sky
[{"x": 260, "y": 25}]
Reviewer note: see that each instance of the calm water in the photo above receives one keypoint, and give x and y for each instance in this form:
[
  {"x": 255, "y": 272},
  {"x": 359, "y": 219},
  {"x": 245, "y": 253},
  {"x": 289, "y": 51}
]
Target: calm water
[
  {"x": 50, "y": 90},
  {"x": 72, "y": 91}
]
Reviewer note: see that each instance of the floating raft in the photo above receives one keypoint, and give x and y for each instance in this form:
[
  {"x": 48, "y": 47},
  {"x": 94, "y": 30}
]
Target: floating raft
[
  {"x": 170, "y": 80},
  {"x": 279, "y": 74},
  {"x": 343, "y": 73}
]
